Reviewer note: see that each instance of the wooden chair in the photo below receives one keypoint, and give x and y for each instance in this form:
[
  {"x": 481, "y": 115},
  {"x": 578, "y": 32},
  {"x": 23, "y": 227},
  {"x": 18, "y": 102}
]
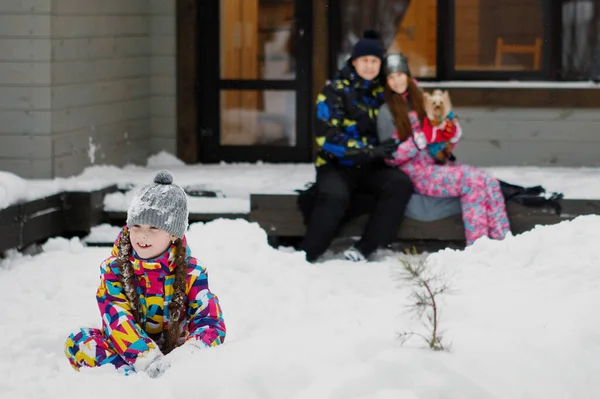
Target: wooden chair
[{"x": 533, "y": 49}]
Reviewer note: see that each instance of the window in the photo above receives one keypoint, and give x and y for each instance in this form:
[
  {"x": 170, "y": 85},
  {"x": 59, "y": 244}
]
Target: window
[
  {"x": 257, "y": 41},
  {"x": 252, "y": 117},
  {"x": 580, "y": 40},
  {"x": 409, "y": 26},
  {"x": 498, "y": 35},
  {"x": 415, "y": 36},
  {"x": 477, "y": 39}
]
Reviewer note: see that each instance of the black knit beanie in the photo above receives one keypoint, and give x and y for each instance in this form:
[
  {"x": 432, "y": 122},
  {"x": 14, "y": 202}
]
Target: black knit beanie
[{"x": 368, "y": 45}]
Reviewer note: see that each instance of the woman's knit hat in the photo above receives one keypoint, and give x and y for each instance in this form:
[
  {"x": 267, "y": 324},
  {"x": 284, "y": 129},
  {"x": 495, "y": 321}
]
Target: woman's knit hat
[
  {"x": 368, "y": 45},
  {"x": 396, "y": 62},
  {"x": 161, "y": 204}
]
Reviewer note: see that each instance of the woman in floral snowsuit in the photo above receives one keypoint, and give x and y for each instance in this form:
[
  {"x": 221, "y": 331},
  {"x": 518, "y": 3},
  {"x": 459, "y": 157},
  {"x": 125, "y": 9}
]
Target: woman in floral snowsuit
[{"x": 424, "y": 153}]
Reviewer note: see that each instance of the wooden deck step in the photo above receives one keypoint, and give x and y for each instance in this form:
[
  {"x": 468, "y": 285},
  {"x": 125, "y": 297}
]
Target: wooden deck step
[{"x": 279, "y": 216}]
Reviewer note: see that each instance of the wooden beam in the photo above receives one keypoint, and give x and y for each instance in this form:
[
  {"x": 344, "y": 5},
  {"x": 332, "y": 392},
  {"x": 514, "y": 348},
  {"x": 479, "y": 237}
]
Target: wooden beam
[
  {"x": 279, "y": 216},
  {"x": 42, "y": 218},
  {"x": 64, "y": 214},
  {"x": 83, "y": 210},
  {"x": 187, "y": 80},
  {"x": 320, "y": 57},
  {"x": 10, "y": 227},
  {"x": 515, "y": 97}
]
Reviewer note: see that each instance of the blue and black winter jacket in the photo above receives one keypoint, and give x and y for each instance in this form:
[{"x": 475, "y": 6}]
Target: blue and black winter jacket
[{"x": 346, "y": 120}]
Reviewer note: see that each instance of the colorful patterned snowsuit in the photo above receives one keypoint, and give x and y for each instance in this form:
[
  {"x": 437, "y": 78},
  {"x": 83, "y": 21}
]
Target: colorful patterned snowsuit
[
  {"x": 121, "y": 341},
  {"x": 346, "y": 123},
  {"x": 483, "y": 207}
]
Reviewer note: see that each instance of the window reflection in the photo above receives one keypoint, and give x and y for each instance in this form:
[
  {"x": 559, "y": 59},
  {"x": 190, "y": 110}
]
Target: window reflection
[{"x": 250, "y": 117}]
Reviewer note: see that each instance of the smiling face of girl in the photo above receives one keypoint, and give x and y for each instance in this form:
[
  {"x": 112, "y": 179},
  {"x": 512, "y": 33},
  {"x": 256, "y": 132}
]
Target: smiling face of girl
[{"x": 149, "y": 242}]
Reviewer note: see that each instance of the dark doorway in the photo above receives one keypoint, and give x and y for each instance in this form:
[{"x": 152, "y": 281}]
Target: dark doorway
[{"x": 254, "y": 72}]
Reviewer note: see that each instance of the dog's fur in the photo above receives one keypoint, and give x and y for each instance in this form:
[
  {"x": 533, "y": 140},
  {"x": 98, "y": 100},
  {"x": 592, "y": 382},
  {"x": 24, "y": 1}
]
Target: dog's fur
[{"x": 437, "y": 106}]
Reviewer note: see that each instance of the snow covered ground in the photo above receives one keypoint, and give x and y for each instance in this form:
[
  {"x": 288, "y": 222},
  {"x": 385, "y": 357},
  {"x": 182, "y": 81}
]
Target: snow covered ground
[
  {"x": 236, "y": 181},
  {"x": 521, "y": 317}
]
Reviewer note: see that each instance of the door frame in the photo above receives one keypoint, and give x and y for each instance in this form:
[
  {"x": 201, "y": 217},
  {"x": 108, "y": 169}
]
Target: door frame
[
  {"x": 210, "y": 85},
  {"x": 187, "y": 85}
]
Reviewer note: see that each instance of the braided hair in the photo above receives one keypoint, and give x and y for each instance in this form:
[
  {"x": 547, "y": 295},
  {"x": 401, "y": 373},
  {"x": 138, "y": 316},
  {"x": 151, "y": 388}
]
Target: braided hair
[{"x": 176, "y": 306}]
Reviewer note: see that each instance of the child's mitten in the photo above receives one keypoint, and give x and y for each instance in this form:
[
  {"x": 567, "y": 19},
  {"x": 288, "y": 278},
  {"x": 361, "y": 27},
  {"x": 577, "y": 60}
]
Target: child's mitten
[{"x": 158, "y": 367}]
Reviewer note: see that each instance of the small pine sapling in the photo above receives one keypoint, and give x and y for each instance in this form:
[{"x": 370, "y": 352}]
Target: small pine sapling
[{"x": 427, "y": 288}]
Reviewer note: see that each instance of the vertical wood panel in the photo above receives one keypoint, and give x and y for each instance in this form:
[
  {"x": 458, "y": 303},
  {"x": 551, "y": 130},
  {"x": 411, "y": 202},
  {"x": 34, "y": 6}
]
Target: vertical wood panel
[
  {"x": 467, "y": 34},
  {"x": 321, "y": 56},
  {"x": 187, "y": 104}
]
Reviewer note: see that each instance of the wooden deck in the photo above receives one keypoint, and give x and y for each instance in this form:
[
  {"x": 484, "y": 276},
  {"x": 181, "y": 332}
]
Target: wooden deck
[{"x": 279, "y": 216}]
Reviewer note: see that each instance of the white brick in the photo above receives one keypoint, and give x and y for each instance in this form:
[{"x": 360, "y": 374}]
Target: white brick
[
  {"x": 25, "y": 122},
  {"x": 100, "y": 25},
  {"x": 163, "y": 46},
  {"x": 28, "y": 168},
  {"x": 24, "y": 73},
  {"x": 550, "y": 130},
  {"x": 23, "y": 49},
  {"x": 163, "y": 106},
  {"x": 134, "y": 152},
  {"x": 163, "y": 85},
  {"x": 163, "y": 66},
  {"x": 25, "y": 146},
  {"x": 106, "y": 70},
  {"x": 528, "y": 153},
  {"x": 162, "y": 25},
  {"x": 72, "y": 49},
  {"x": 25, "y": 25},
  {"x": 132, "y": 46},
  {"x": 138, "y": 129},
  {"x": 25, "y": 98},
  {"x": 164, "y": 7},
  {"x": 99, "y": 7},
  {"x": 77, "y": 95},
  {"x": 164, "y": 127},
  {"x": 25, "y": 6},
  {"x": 158, "y": 144},
  {"x": 88, "y": 117},
  {"x": 100, "y": 70},
  {"x": 102, "y": 136}
]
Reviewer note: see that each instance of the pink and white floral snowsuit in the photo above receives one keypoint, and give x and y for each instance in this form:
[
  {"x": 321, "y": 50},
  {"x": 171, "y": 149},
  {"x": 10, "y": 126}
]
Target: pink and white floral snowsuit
[{"x": 482, "y": 202}]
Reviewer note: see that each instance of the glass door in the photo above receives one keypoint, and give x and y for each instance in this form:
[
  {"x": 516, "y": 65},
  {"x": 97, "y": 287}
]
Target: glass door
[
  {"x": 409, "y": 26},
  {"x": 255, "y": 80}
]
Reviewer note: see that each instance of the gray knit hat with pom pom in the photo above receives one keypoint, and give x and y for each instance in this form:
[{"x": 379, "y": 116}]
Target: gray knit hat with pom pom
[{"x": 161, "y": 204}]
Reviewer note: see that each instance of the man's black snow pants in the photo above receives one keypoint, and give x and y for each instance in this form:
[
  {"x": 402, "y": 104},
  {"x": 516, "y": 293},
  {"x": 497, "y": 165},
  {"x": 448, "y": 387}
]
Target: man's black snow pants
[{"x": 336, "y": 185}]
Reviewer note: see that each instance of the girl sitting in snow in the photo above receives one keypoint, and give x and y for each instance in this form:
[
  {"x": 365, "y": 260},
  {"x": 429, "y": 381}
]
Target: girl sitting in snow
[
  {"x": 423, "y": 155},
  {"x": 153, "y": 296}
]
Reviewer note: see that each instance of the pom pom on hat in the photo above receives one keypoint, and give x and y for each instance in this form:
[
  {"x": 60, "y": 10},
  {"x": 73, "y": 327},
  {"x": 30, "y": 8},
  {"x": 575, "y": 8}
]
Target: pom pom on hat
[
  {"x": 368, "y": 45},
  {"x": 163, "y": 177},
  {"x": 371, "y": 34}
]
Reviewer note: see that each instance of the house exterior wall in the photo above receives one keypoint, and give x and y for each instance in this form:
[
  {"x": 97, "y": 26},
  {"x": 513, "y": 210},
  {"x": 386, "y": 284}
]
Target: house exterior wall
[
  {"x": 163, "y": 76},
  {"x": 25, "y": 87},
  {"x": 84, "y": 82},
  {"x": 529, "y": 136},
  {"x": 100, "y": 83}
]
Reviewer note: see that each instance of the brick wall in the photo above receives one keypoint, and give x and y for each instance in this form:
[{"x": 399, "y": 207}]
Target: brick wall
[
  {"x": 100, "y": 83},
  {"x": 529, "y": 136},
  {"x": 163, "y": 76},
  {"x": 85, "y": 82},
  {"x": 25, "y": 94}
]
